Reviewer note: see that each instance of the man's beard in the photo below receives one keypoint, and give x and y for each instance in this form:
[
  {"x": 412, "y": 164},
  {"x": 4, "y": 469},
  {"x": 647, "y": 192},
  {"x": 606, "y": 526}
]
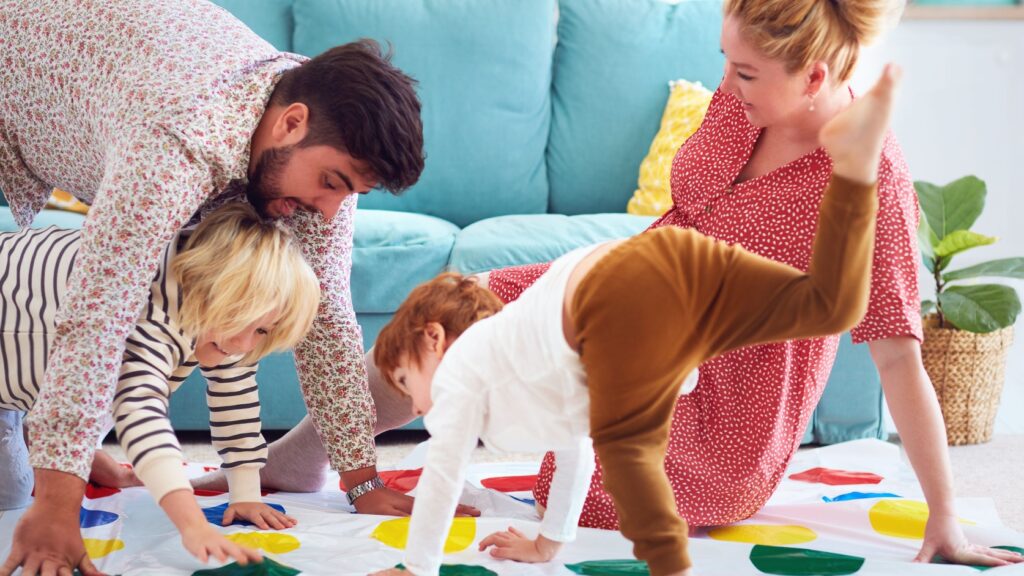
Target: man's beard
[{"x": 265, "y": 182}]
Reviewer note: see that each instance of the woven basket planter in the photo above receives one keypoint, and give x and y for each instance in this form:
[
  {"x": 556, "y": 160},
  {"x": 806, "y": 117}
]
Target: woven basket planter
[{"x": 967, "y": 371}]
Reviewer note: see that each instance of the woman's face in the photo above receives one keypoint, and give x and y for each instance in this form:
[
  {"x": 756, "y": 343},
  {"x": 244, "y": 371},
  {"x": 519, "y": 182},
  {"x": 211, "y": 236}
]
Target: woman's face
[
  {"x": 213, "y": 349},
  {"x": 770, "y": 94}
]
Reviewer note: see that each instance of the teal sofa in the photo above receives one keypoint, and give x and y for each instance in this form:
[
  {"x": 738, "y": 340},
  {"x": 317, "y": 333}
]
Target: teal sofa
[{"x": 536, "y": 116}]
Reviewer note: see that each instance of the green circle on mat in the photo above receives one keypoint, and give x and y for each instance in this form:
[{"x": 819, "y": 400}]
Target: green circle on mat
[
  {"x": 786, "y": 561},
  {"x": 940, "y": 560},
  {"x": 267, "y": 567},
  {"x": 461, "y": 570},
  {"x": 610, "y": 568}
]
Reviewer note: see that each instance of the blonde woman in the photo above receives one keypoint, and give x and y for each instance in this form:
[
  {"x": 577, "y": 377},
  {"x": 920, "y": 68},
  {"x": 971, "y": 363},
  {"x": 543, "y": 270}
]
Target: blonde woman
[
  {"x": 226, "y": 295},
  {"x": 754, "y": 174}
]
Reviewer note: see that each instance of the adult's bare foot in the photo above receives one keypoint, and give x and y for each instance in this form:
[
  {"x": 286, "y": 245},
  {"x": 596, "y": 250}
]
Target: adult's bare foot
[{"x": 108, "y": 472}]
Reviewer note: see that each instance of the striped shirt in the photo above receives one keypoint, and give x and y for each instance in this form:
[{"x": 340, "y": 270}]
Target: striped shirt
[{"x": 158, "y": 357}]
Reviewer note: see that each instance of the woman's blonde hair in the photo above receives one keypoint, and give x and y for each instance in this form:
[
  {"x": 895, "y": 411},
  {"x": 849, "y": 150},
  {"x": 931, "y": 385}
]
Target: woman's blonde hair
[
  {"x": 235, "y": 269},
  {"x": 801, "y": 32}
]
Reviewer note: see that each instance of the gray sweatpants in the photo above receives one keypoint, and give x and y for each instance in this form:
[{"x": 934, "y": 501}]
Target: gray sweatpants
[{"x": 15, "y": 472}]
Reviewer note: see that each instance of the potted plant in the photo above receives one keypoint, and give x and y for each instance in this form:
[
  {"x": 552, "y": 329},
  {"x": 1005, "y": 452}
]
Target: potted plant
[{"x": 968, "y": 328}]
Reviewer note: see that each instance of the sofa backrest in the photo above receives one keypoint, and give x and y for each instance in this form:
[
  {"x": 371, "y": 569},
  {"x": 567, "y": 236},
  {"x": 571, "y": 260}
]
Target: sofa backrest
[
  {"x": 484, "y": 73},
  {"x": 613, "y": 63},
  {"x": 271, "y": 19},
  {"x": 512, "y": 123}
]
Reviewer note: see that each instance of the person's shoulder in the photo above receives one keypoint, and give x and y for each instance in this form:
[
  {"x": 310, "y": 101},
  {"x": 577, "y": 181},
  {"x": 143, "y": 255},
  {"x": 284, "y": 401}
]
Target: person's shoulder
[
  {"x": 893, "y": 172},
  {"x": 724, "y": 105}
]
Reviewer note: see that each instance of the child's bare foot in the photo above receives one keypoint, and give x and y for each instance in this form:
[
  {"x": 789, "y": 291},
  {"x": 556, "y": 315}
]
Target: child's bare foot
[
  {"x": 108, "y": 472},
  {"x": 855, "y": 136}
]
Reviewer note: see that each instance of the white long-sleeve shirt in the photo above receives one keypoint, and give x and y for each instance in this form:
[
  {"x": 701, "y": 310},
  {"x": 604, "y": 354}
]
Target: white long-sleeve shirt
[{"x": 512, "y": 381}]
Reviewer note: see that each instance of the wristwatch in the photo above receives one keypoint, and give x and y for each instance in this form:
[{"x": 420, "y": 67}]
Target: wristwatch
[{"x": 361, "y": 489}]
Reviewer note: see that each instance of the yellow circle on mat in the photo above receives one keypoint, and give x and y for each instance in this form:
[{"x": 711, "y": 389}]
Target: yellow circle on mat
[
  {"x": 100, "y": 548},
  {"x": 275, "y": 543},
  {"x": 395, "y": 533},
  {"x": 901, "y": 518},
  {"x": 764, "y": 534}
]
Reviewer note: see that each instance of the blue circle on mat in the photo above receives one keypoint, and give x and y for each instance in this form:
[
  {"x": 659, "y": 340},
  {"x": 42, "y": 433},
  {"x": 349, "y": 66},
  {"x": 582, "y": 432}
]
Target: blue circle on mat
[
  {"x": 860, "y": 496},
  {"x": 93, "y": 518},
  {"x": 215, "y": 514}
]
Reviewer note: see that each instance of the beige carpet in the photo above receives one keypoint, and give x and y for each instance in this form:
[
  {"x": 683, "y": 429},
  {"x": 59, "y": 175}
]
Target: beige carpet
[{"x": 990, "y": 470}]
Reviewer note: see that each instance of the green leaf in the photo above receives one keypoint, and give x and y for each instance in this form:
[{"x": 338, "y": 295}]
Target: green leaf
[
  {"x": 1005, "y": 268},
  {"x": 927, "y": 307},
  {"x": 955, "y": 206},
  {"x": 942, "y": 263},
  {"x": 982, "y": 308},
  {"x": 926, "y": 239},
  {"x": 960, "y": 241}
]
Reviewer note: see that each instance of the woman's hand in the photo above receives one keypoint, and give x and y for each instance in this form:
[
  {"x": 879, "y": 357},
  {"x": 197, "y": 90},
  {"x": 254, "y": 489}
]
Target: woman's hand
[
  {"x": 260, "y": 514},
  {"x": 514, "y": 545},
  {"x": 944, "y": 537},
  {"x": 391, "y": 572}
]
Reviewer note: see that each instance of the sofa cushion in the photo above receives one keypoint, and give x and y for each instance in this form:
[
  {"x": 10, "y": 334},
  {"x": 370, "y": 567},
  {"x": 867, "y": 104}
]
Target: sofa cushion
[
  {"x": 58, "y": 218},
  {"x": 271, "y": 19},
  {"x": 613, "y": 61},
  {"x": 393, "y": 252},
  {"x": 484, "y": 73},
  {"x": 513, "y": 240},
  {"x": 852, "y": 406},
  {"x": 281, "y": 403},
  {"x": 687, "y": 104}
]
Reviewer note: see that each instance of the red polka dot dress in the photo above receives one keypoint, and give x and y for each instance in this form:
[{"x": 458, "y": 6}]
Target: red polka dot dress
[{"x": 733, "y": 436}]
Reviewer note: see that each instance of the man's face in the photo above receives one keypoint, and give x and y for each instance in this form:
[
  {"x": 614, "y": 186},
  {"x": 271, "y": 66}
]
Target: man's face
[{"x": 314, "y": 178}]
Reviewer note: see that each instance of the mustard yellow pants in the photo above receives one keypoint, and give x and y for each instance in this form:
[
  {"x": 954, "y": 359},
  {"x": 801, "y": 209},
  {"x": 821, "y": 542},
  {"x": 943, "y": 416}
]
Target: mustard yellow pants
[{"x": 665, "y": 301}]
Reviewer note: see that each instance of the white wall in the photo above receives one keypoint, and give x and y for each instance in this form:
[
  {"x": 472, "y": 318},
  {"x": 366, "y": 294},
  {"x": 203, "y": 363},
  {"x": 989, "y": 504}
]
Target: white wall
[{"x": 961, "y": 112}]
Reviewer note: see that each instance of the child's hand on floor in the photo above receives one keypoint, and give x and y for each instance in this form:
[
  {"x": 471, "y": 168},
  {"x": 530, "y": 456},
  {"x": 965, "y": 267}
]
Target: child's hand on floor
[
  {"x": 204, "y": 541},
  {"x": 263, "y": 516},
  {"x": 514, "y": 545}
]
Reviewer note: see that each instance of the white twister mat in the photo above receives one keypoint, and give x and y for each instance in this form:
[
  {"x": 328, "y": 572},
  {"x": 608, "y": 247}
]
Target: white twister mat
[{"x": 858, "y": 510}]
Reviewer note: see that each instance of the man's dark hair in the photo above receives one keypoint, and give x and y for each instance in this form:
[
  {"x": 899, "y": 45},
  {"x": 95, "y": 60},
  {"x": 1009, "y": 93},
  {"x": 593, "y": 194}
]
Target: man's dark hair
[{"x": 360, "y": 103}]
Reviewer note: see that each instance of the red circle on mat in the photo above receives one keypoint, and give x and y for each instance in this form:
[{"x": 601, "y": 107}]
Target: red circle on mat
[
  {"x": 94, "y": 491},
  {"x": 836, "y": 477},
  {"x": 204, "y": 492},
  {"x": 398, "y": 480},
  {"x": 511, "y": 483}
]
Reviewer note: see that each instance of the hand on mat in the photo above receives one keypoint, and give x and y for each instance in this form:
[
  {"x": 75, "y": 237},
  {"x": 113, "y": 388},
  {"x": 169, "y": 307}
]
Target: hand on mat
[
  {"x": 263, "y": 516},
  {"x": 391, "y": 572},
  {"x": 205, "y": 542},
  {"x": 944, "y": 537},
  {"x": 388, "y": 502},
  {"x": 48, "y": 542},
  {"x": 514, "y": 545}
]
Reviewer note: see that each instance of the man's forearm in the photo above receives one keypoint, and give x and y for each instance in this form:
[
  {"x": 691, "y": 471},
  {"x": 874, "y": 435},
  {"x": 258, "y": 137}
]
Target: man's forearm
[
  {"x": 61, "y": 493},
  {"x": 353, "y": 478}
]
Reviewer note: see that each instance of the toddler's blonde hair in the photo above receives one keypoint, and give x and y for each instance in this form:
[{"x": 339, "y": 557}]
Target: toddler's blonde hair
[{"x": 235, "y": 269}]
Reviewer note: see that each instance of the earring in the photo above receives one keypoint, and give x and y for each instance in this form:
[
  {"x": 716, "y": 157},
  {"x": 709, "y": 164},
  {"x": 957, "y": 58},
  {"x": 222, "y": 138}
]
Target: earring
[{"x": 811, "y": 108}]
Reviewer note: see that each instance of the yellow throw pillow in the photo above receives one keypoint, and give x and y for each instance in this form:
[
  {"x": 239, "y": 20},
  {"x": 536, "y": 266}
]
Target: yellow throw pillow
[
  {"x": 687, "y": 103},
  {"x": 61, "y": 200}
]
